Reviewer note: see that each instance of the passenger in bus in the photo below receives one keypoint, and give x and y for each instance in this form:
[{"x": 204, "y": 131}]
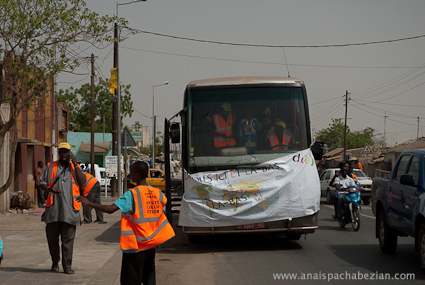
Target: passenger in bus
[
  {"x": 279, "y": 137},
  {"x": 248, "y": 130},
  {"x": 224, "y": 124}
]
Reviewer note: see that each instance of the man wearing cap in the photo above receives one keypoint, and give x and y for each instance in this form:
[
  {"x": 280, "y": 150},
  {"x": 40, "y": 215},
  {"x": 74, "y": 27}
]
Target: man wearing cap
[
  {"x": 224, "y": 130},
  {"x": 279, "y": 137},
  {"x": 62, "y": 180}
]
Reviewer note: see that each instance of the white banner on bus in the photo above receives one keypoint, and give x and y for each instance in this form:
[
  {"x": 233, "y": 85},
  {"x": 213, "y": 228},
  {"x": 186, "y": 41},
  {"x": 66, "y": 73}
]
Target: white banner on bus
[{"x": 283, "y": 188}]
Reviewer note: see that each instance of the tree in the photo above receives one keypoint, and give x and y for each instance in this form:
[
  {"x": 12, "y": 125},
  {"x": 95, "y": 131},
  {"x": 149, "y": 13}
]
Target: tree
[
  {"x": 334, "y": 136},
  {"x": 39, "y": 38},
  {"x": 79, "y": 106}
]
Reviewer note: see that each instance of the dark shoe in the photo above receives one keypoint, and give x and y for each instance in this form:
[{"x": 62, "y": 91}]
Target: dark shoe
[
  {"x": 68, "y": 271},
  {"x": 55, "y": 267},
  {"x": 97, "y": 222},
  {"x": 84, "y": 222}
]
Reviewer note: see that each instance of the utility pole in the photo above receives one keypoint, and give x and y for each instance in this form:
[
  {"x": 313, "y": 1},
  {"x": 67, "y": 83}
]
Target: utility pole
[
  {"x": 385, "y": 130},
  {"x": 92, "y": 116},
  {"x": 115, "y": 114},
  {"x": 417, "y": 136},
  {"x": 345, "y": 126}
]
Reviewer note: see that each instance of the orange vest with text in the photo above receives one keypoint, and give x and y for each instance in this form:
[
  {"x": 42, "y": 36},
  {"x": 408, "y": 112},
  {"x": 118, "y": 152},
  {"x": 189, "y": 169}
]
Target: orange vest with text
[
  {"x": 275, "y": 142},
  {"x": 51, "y": 176},
  {"x": 148, "y": 226},
  {"x": 224, "y": 127}
]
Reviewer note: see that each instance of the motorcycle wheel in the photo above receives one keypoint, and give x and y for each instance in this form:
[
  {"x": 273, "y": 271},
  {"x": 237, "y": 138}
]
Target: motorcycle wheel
[{"x": 355, "y": 219}]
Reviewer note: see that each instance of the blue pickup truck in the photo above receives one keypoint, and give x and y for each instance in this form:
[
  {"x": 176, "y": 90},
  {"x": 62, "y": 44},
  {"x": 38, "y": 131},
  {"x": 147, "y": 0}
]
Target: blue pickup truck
[{"x": 398, "y": 202}]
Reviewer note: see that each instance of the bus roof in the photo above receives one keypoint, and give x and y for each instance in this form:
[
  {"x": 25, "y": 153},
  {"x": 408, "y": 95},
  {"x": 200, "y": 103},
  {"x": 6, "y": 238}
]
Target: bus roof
[{"x": 252, "y": 80}]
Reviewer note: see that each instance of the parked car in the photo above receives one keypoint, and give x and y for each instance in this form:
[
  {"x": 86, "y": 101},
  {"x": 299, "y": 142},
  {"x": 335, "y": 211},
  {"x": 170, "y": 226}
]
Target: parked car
[
  {"x": 156, "y": 178},
  {"x": 398, "y": 202},
  {"x": 328, "y": 191}
]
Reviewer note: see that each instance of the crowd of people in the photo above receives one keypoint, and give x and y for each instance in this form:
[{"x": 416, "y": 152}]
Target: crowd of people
[{"x": 227, "y": 131}]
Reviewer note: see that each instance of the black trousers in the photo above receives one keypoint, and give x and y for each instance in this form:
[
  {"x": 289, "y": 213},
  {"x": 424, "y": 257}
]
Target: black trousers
[
  {"x": 67, "y": 234},
  {"x": 40, "y": 196},
  {"x": 138, "y": 268}
]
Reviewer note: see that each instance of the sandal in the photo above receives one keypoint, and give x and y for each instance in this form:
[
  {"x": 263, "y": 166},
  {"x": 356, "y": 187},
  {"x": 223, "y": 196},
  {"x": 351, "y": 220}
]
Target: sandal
[
  {"x": 333, "y": 218},
  {"x": 55, "y": 267},
  {"x": 68, "y": 271}
]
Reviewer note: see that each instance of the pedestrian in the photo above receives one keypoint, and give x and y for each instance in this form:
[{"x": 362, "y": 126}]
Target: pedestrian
[
  {"x": 143, "y": 226},
  {"x": 62, "y": 180},
  {"x": 92, "y": 192},
  {"x": 40, "y": 193}
]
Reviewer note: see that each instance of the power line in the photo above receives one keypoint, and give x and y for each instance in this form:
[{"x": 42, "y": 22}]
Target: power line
[
  {"x": 136, "y": 31},
  {"x": 394, "y": 104},
  {"x": 383, "y": 111},
  {"x": 270, "y": 63}
]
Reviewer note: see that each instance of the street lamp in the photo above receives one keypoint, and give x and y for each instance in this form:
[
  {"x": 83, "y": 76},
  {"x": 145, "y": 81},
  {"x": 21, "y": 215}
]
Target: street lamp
[
  {"x": 153, "y": 120},
  {"x": 118, "y": 101}
]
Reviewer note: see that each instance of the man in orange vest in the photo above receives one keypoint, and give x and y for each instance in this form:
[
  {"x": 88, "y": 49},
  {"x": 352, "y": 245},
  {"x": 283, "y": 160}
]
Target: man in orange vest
[
  {"x": 92, "y": 192},
  {"x": 279, "y": 137},
  {"x": 143, "y": 226},
  {"x": 62, "y": 181},
  {"x": 224, "y": 122}
]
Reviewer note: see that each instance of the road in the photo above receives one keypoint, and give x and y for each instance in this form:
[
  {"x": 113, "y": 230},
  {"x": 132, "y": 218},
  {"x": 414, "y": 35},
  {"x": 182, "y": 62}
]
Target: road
[{"x": 330, "y": 253}]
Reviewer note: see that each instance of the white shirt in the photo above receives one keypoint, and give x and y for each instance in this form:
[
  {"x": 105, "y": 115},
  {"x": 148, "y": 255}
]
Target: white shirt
[{"x": 344, "y": 182}]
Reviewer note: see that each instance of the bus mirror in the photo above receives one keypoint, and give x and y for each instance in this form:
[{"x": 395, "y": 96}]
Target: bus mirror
[
  {"x": 175, "y": 132},
  {"x": 317, "y": 150}
]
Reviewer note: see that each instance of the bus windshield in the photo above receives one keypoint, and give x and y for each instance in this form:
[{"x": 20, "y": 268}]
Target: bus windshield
[{"x": 235, "y": 126}]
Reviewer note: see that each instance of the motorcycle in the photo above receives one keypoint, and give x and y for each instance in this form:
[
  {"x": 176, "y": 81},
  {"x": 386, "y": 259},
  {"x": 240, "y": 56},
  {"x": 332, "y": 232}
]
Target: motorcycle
[{"x": 351, "y": 208}]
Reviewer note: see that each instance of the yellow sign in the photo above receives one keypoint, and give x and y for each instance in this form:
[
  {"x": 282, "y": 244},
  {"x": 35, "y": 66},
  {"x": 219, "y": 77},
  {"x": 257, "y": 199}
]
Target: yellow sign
[{"x": 112, "y": 84}]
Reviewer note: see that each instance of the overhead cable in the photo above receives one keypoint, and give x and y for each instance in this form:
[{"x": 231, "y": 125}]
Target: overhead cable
[{"x": 136, "y": 31}]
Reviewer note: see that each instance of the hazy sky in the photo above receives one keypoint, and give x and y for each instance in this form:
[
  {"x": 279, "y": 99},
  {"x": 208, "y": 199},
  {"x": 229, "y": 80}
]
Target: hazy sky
[{"x": 383, "y": 79}]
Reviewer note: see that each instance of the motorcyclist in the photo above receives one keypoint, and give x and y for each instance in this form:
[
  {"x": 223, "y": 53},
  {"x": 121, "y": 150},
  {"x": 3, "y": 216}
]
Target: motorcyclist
[{"x": 342, "y": 181}]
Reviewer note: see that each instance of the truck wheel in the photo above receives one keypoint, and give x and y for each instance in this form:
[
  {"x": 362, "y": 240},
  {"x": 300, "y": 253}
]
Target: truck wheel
[
  {"x": 387, "y": 237},
  {"x": 328, "y": 196},
  {"x": 366, "y": 201},
  {"x": 180, "y": 190},
  {"x": 356, "y": 219},
  {"x": 422, "y": 245}
]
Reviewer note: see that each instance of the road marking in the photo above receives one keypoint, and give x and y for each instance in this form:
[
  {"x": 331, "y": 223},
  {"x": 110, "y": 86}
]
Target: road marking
[{"x": 363, "y": 215}]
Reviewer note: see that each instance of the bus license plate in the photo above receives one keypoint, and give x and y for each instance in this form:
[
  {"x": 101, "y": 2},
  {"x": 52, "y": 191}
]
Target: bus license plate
[{"x": 251, "y": 226}]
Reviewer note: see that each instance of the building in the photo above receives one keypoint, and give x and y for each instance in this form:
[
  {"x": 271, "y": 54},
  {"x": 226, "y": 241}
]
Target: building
[
  {"x": 81, "y": 146},
  {"x": 41, "y": 127}
]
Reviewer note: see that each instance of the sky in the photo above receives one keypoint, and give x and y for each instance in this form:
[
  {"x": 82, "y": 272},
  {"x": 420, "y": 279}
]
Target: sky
[{"x": 385, "y": 81}]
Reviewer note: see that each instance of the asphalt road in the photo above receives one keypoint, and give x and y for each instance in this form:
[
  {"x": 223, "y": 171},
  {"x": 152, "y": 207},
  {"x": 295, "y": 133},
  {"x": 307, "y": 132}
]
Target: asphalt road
[{"x": 331, "y": 254}]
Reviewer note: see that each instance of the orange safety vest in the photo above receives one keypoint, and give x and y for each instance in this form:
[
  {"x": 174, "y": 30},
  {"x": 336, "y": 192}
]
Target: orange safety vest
[
  {"x": 147, "y": 227},
  {"x": 90, "y": 182},
  {"x": 224, "y": 127},
  {"x": 275, "y": 142},
  {"x": 51, "y": 176}
]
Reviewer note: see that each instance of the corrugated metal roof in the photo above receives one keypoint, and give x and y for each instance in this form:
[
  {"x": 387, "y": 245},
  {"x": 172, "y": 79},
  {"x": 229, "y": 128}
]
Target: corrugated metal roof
[{"x": 409, "y": 145}]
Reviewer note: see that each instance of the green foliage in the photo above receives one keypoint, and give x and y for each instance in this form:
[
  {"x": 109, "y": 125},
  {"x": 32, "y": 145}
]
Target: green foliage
[
  {"x": 79, "y": 106},
  {"x": 334, "y": 136},
  {"x": 38, "y": 40}
]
